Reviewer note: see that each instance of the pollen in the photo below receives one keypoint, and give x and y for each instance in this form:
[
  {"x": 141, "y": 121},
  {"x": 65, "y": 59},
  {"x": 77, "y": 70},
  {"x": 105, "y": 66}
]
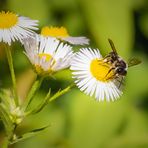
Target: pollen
[
  {"x": 47, "y": 57},
  {"x": 41, "y": 71},
  {"x": 8, "y": 20},
  {"x": 54, "y": 31},
  {"x": 101, "y": 70}
]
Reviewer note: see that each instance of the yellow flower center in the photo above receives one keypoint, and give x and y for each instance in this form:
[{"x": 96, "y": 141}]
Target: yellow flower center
[
  {"x": 54, "y": 31},
  {"x": 46, "y": 56},
  {"x": 101, "y": 70},
  {"x": 7, "y": 20},
  {"x": 39, "y": 69}
]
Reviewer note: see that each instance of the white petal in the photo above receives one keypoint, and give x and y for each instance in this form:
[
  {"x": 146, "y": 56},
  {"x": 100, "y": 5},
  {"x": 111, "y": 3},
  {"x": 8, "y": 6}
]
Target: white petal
[
  {"x": 76, "y": 40},
  {"x": 22, "y": 29},
  {"x": 61, "y": 54},
  {"x": 80, "y": 67}
]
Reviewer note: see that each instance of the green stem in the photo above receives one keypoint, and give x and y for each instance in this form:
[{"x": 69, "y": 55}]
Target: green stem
[
  {"x": 62, "y": 92},
  {"x": 10, "y": 62},
  {"x": 48, "y": 99},
  {"x": 40, "y": 106},
  {"x": 32, "y": 92}
]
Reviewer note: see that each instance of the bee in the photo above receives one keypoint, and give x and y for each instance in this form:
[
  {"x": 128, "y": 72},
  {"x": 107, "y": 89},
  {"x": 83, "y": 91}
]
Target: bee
[{"x": 118, "y": 65}]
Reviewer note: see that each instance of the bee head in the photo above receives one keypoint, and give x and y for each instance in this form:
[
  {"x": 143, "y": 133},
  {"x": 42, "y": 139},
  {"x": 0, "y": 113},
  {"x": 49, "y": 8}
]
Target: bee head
[
  {"x": 121, "y": 67},
  {"x": 121, "y": 71}
]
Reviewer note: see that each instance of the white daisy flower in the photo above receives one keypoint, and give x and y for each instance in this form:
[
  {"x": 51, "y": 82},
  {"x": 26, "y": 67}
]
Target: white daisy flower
[
  {"x": 92, "y": 75},
  {"x": 62, "y": 34},
  {"x": 47, "y": 55},
  {"x": 14, "y": 27}
]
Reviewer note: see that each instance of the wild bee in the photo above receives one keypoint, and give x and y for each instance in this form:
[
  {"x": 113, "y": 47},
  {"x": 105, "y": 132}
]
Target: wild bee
[{"x": 118, "y": 65}]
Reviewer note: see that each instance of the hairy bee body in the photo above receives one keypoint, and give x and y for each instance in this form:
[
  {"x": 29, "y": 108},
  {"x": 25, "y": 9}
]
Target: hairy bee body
[{"x": 118, "y": 65}]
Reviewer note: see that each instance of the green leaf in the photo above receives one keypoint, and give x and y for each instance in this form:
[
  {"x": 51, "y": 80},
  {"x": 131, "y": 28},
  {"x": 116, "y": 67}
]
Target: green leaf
[
  {"x": 30, "y": 134},
  {"x": 6, "y": 119},
  {"x": 40, "y": 106},
  {"x": 3, "y": 97},
  {"x": 61, "y": 92},
  {"x": 47, "y": 99}
]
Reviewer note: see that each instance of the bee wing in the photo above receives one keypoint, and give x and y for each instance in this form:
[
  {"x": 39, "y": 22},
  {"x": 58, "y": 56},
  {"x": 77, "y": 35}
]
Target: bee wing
[
  {"x": 133, "y": 61},
  {"x": 112, "y": 45}
]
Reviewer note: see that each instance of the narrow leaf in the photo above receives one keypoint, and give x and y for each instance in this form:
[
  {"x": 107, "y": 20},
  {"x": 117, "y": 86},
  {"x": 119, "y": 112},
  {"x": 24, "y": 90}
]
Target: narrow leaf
[
  {"x": 61, "y": 92},
  {"x": 5, "y": 98},
  {"x": 40, "y": 106},
  {"x": 6, "y": 119},
  {"x": 30, "y": 134}
]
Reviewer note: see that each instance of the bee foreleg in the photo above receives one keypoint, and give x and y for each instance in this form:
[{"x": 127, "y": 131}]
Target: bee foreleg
[{"x": 109, "y": 71}]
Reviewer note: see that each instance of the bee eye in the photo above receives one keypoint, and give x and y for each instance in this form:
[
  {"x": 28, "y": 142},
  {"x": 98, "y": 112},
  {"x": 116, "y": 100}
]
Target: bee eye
[{"x": 121, "y": 71}]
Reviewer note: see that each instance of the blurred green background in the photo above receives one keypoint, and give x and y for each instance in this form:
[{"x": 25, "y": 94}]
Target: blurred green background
[{"x": 78, "y": 121}]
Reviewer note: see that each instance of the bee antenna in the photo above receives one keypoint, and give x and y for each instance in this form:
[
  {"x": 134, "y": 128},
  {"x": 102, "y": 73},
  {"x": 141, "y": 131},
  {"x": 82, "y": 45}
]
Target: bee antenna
[{"x": 112, "y": 45}]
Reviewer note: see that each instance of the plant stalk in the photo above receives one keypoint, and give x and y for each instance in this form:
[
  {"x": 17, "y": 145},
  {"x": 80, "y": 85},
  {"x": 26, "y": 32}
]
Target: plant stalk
[{"x": 11, "y": 68}]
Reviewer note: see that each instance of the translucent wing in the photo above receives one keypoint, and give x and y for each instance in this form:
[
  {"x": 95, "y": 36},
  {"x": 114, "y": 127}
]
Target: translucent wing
[
  {"x": 133, "y": 62},
  {"x": 112, "y": 46}
]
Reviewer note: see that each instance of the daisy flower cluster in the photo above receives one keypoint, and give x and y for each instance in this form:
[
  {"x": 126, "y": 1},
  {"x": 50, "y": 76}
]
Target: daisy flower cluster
[{"x": 51, "y": 51}]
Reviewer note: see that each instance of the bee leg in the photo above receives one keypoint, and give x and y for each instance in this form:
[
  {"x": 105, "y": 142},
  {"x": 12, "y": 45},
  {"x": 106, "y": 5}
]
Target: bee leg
[
  {"x": 109, "y": 72},
  {"x": 106, "y": 59}
]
